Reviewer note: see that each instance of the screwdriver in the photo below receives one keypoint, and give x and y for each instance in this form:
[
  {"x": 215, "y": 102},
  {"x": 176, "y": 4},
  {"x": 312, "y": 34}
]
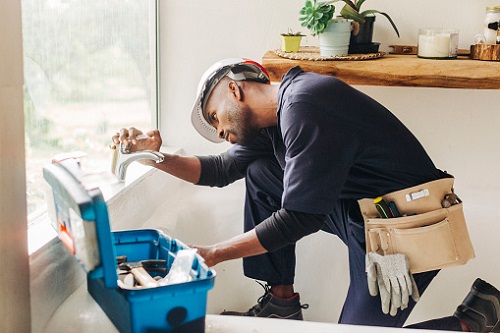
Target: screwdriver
[
  {"x": 394, "y": 209},
  {"x": 382, "y": 208}
]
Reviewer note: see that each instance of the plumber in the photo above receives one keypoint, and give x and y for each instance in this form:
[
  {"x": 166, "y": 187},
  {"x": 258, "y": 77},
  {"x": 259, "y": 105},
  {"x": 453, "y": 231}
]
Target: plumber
[{"x": 308, "y": 149}]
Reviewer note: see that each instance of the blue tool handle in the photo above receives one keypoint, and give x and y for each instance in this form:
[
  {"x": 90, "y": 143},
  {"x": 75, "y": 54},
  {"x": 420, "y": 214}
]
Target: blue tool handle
[{"x": 394, "y": 209}]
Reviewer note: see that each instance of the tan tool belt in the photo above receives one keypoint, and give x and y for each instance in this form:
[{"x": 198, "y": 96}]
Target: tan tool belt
[{"x": 431, "y": 236}]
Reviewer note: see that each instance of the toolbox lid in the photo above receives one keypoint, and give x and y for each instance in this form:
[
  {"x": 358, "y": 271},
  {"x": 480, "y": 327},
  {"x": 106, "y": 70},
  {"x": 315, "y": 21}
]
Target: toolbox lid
[{"x": 81, "y": 219}]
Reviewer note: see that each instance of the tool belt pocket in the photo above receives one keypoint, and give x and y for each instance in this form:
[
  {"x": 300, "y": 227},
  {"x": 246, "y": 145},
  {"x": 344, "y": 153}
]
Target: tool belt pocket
[{"x": 430, "y": 235}]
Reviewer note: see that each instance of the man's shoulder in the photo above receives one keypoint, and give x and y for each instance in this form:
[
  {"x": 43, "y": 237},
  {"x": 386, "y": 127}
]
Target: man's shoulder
[{"x": 311, "y": 83}]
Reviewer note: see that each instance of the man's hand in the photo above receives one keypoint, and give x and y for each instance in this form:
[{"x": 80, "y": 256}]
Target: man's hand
[
  {"x": 133, "y": 140},
  {"x": 187, "y": 168},
  {"x": 207, "y": 253},
  {"x": 245, "y": 245}
]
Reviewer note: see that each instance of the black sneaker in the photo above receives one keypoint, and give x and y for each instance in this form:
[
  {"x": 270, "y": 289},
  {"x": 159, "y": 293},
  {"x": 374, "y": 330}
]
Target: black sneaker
[
  {"x": 480, "y": 310},
  {"x": 270, "y": 306}
]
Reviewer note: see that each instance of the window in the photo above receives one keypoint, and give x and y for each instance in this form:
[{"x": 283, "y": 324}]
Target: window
[{"x": 90, "y": 69}]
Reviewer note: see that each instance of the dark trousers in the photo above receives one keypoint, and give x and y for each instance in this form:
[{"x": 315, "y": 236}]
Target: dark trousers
[{"x": 264, "y": 188}]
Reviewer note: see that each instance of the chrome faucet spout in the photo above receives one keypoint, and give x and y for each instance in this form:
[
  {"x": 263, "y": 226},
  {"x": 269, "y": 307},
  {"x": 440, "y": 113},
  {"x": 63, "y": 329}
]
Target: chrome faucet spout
[{"x": 124, "y": 160}]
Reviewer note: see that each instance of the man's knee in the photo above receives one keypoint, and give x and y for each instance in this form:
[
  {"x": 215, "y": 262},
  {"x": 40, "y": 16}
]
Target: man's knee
[
  {"x": 264, "y": 188},
  {"x": 263, "y": 173}
]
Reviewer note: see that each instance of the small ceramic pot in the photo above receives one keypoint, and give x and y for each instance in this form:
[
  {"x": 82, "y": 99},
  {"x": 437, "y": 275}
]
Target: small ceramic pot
[
  {"x": 334, "y": 41},
  {"x": 290, "y": 43}
]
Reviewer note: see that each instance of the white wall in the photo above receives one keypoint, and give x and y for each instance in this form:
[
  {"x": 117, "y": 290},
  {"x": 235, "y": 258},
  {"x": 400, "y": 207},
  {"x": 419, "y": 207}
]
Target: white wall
[
  {"x": 458, "y": 128},
  {"x": 196, "y": 33},
  {"x": 14, "y": 276}
]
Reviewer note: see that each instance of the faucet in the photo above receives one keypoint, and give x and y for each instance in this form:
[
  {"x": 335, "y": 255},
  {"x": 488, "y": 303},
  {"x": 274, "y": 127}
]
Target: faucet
[{"x": 121, "y": 160}]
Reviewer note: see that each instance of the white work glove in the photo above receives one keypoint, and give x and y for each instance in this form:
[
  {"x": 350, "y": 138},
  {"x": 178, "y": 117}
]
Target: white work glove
[{"x": 390, "y": 276}]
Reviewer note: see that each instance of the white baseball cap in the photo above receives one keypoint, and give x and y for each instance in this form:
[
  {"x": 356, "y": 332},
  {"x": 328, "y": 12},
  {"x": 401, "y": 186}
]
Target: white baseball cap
[{"x": 238, "y": 69}]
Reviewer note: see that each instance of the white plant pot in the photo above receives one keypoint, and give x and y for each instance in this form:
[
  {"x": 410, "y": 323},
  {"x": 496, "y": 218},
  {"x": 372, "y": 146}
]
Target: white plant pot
[{"x": 334, "y": 41}]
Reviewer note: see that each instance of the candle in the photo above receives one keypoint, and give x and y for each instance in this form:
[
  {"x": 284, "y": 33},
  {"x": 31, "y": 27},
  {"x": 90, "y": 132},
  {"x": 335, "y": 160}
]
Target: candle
[{"x": 437, "y": 43}]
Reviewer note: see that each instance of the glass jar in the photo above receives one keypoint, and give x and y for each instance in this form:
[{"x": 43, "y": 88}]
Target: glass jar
[
  {"x": 437, "y": 43},
  {"x": 491, "y": 24}
]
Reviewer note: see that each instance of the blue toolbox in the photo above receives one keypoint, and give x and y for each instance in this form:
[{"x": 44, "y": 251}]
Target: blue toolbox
[{"x": 81, "y": 220}]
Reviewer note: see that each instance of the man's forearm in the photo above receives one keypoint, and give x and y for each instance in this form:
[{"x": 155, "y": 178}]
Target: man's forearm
[
  {"x": 241, "y": 246},
  {"x": 187, "y": 168}
]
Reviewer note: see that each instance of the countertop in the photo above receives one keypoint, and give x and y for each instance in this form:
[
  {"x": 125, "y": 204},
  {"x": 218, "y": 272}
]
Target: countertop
[{"x": 81, "y": 314}]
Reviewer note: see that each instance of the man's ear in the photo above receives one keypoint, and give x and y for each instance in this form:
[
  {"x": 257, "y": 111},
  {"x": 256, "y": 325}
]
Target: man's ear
[{"x": 235, "y": 90}]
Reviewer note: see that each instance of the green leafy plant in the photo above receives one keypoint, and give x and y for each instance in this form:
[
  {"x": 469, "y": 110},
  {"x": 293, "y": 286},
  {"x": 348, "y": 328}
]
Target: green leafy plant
[
  {"x": 291, "y": 33},
  {"x": 316, "y": 15},
  {"x": 352, "y": 10}
]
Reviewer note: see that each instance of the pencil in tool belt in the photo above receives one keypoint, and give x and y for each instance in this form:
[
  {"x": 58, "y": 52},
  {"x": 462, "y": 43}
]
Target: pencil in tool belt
[{"x": 382, "y": 208}]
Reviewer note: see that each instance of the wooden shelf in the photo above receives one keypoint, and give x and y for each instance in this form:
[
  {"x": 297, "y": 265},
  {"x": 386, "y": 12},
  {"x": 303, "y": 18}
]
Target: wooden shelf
[{"x": 397, "y": 70}]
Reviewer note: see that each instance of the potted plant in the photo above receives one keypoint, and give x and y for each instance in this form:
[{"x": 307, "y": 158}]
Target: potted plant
[
  {"x": 316, "y": 16},
  {"x": 361, "y": 39},
  {"x": 333, "y": 34},
  {"x": 290, "y": 41}
]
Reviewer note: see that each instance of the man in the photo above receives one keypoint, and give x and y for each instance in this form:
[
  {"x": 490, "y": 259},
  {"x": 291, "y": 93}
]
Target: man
[{"x": 308, "y": 150}]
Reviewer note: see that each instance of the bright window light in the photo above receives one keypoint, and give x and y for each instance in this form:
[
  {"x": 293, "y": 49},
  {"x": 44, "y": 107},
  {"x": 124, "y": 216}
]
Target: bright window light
[{"x": 89, "y": 69}]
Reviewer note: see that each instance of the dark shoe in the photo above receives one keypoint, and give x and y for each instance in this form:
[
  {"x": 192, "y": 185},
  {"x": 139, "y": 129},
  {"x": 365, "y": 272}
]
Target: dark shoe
[
  {"x": 480, "y": 310},
  {"x": 270, "y": 306}
]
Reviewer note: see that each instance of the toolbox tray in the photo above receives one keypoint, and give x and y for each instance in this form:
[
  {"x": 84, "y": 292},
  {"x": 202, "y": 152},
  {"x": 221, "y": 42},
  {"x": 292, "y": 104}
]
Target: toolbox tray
[{"x": 81, "y": 220}]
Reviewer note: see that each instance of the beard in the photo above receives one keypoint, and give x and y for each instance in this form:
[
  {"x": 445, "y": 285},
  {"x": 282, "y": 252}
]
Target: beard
[{"x": 242, "y": 128}]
